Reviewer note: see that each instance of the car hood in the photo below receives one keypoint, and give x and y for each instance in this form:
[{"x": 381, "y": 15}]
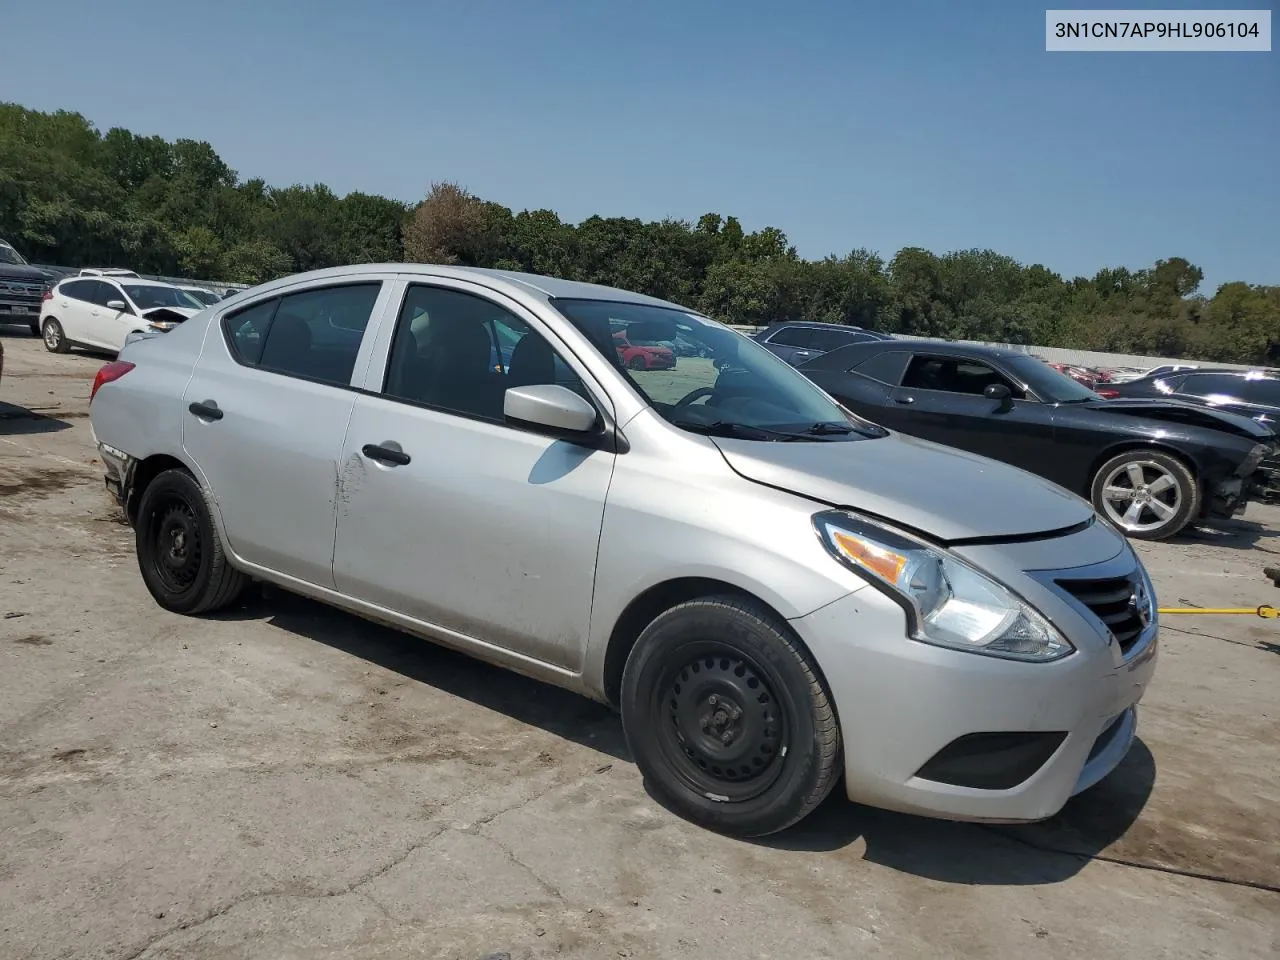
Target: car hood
[
  {"x": 169, "y": 314},
  {"x": 1187, "y": 414},
  {"x": 19, "y": 271},
  {"x": 947, "y": 494}
]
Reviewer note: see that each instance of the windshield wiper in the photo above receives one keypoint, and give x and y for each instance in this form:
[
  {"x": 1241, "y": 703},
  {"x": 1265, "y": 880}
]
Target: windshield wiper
[
  {"x": 829, "y": 427},
  {"x": 728, "y": 428}
]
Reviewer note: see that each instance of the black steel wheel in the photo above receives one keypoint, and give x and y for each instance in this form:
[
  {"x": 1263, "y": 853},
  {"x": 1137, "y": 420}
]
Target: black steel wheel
[
  {"x": 180, "y": 554},
  {"x": 728, "y": 717}
]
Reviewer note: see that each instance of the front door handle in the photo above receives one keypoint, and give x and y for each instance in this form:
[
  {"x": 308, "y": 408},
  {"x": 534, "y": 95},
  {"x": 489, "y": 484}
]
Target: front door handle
[
  {"x": 206, "y": 411},
  {"x": 904, "y": 399},
  {"x": 385, "y": 454}
]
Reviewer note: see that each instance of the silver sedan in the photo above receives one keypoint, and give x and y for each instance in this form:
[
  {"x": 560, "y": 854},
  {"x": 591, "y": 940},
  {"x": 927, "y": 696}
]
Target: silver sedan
[{"x": 771, "y": 590}]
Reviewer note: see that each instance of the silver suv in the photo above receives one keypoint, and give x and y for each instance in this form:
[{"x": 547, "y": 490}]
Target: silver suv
[{"x": 771, "y": 590}]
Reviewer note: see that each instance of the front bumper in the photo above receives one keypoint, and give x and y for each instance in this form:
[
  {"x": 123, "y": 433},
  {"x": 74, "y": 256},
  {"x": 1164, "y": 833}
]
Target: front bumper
[{"x": 903, "y": 705}]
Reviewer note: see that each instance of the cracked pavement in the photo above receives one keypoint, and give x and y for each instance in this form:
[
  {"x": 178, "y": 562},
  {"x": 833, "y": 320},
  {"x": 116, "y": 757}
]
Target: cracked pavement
[{"x": 286, "y": 781}]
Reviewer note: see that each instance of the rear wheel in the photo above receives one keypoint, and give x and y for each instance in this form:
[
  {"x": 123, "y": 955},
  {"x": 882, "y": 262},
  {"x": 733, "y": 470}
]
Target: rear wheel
[
  {"x": 55, "y": 341},
  {"x": 180, "y": 554},
  {"x": 728, "y": 717},
  {"x": 1148, "y": 495},
  {"x": 637, "y": 363},
  {"x": 35, "y": 327}
]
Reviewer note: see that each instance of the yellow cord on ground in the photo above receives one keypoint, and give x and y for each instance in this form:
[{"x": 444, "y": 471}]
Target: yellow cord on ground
[{"x": 1266, "y": 611}]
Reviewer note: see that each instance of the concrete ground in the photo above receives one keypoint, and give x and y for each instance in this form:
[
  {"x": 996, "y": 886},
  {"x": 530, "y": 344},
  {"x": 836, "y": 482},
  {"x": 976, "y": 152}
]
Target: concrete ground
[{"x": 289, "y": 782}]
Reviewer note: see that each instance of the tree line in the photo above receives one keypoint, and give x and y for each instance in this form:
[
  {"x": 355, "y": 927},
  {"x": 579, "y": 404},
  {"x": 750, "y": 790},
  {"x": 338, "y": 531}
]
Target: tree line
[{"x": 74, "y": 196}]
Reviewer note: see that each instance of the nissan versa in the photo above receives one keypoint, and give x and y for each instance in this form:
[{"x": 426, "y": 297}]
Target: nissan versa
[{"x": 771, "y": 590}]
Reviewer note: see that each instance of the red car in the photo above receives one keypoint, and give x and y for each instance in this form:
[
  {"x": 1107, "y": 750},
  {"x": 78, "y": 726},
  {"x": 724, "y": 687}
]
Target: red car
[{"x": 641, "y": 356}]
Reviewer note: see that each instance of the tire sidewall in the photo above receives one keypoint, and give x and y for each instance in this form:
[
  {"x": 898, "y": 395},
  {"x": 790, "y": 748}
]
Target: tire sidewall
[
  {"x": 182, "y": 484},
  {"x": 62, "y": 335},
  {"x": 1182, "y": 474},
  {"x": 786, "y": 799}
]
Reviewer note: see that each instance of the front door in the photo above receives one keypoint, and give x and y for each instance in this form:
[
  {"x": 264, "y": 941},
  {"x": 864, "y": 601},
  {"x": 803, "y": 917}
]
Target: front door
[
  {"x": 450, "y": 516},
  {"x": 264, "y": 417},
  {"x": 941, "y": 399}
]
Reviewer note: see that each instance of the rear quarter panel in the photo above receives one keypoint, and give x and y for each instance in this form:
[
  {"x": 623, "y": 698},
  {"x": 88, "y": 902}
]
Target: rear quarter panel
[{"x": 141, "y": 413}]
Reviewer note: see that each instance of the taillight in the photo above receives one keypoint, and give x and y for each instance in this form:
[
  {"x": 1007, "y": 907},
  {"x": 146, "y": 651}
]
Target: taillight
[
  {"x": 1106, "y": 394},
  {"x": 109, "y": 373},
  {"x": 48, "y": 295}
]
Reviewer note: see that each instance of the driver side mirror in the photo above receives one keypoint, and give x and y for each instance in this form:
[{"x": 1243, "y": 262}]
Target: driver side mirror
[
  {"x": 550, "y": 408},
  {"x": 119, "y": 306},
  {"x": 1000, "y": 392}
]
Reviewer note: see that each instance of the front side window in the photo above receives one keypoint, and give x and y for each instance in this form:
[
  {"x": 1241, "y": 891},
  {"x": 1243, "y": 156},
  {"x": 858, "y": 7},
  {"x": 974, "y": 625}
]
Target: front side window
[
  {"x": 458, "y": 352},
  {"x": 104, "y": 293},
  {"x": 739, "y": 388},
  {"x": 791, "y": 337},
  {"x": 954, "y": 375}
]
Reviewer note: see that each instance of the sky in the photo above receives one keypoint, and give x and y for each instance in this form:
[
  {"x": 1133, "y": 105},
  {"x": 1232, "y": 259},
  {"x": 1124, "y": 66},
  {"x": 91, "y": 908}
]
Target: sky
[{"x": 875, "y": 124}]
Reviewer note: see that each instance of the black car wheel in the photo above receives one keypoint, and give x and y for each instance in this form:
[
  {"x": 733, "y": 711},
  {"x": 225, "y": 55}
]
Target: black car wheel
[
  {"x": 180, "y": 554},
  {"x": 1148, "y": 495},
  {"x": 35, "y": 327},
  {"x": 637, "y": 363},
  {"x": 728, "y": 717},
  {"x": 55, "y": 341}
]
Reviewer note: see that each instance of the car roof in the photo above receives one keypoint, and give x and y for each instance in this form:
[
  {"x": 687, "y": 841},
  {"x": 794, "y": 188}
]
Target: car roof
[
  {"x": 940, "y": 348},
  {"x": 512, "y": 281},
  {"x": 818, "y": 325}
]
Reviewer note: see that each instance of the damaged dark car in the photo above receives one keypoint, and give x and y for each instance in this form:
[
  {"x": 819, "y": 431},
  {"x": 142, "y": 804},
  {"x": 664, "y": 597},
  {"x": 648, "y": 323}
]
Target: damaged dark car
[{"x": 1150, "y": 467}]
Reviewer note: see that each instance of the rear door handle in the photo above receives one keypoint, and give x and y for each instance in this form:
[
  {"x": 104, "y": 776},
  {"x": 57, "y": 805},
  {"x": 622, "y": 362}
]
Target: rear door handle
[
  {"x": 385, "y": 454},
  {"x": 904, "y": 399},
  {"x": 206, "y": 411}
]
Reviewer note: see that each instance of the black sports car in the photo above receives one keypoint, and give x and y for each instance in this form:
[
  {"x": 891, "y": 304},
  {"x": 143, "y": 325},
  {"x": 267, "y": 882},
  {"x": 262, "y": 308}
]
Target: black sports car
[{"x": 1149, "y": 466}]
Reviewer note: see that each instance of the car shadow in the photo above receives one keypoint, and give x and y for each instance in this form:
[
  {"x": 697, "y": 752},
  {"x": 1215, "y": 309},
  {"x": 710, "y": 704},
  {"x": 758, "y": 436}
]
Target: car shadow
[
  {"x": 984, "y": 854},
  {"x": 557, "y": 711},
  {"x": 950, "y": 852},
  {"x": 15, "y": 421},
  {"x": 1233, "y": 534}
]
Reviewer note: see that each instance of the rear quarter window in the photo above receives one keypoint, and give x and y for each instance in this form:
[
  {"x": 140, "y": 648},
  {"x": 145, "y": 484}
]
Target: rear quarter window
[{"x": 886, "y": 367}]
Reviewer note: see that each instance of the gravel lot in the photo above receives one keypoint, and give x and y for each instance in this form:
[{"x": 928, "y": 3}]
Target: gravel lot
[{"x": 287, "y": 781}]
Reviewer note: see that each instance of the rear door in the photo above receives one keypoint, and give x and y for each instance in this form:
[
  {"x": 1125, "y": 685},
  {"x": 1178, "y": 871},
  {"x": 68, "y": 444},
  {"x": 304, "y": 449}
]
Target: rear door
[
  {"x": 266, "y": 412},
  {"x": 1255, "y": 397},
  {"x": 941, "y": 399},
  {"x": 72, "y": 305}
]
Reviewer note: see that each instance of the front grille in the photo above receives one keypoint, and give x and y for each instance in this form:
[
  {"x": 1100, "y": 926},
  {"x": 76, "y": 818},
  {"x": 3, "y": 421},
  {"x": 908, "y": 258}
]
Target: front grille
[
  {"x": 21, "y": 288},
  {"x": 1114, "y": 601}
]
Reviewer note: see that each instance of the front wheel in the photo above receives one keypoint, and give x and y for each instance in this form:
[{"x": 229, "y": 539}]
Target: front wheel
[
  {"x": 35, "y": 327},
  {"x": 180, "y": 554},
  {"x": 728, "y": 717},
  {"x": 637, "y": 363},
  {"x": 55, "y": 341},
  {"x": 1148, "y": 495}
]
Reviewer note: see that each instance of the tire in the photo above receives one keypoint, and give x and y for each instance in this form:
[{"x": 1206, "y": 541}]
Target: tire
[
  {"x": 55, "y": 340},
  {"x": 637, "y": 363},
  {"x": 35, "y": 328},
  {"x": 180, "y": 555},
  {"x": 694, "y": 674},
  {"x": 1168, "y": 495}
]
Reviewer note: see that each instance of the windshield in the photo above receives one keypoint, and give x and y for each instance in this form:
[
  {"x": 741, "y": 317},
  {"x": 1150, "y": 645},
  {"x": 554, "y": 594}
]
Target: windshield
[
  {"x": 148, "y": 297},
  {"x": 704, "y": 377},
  {"x": 1046, "y": 382},
  {"x": 10, "y": 255}
]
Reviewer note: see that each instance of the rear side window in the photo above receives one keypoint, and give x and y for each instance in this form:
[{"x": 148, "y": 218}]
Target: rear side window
[
  {"x": 828, "y": 340},
  {"x": 791, "y": 337},
  {"x": 314, "y": 334},
  {"x": 1265, "y": 392},
  {"x": 78, "y": 290},
  {"x": 246, "y": 330},
  {"x": 885, "y": 367}
]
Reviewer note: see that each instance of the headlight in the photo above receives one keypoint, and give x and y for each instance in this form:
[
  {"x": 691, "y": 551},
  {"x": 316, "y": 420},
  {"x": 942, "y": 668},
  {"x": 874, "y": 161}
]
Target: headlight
[
  {"x": 162, "y": 326},
  {"x": 948, "y": 602}
]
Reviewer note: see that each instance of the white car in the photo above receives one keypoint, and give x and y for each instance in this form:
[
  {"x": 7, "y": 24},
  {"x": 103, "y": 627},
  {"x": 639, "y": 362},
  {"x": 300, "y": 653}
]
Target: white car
[
  {"x": 100, "y": 312},
  {"x": 776, "y": 594}
]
